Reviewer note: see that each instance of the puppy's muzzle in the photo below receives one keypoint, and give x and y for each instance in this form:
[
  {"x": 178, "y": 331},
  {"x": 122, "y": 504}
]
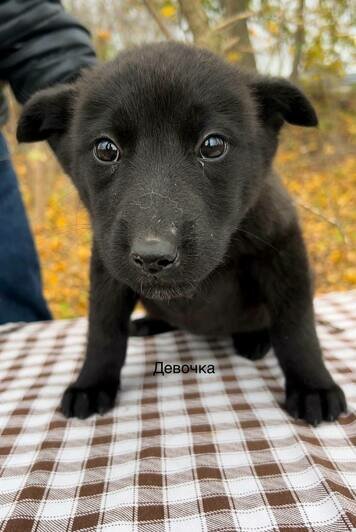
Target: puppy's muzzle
[{"x": 153, "y": 255}]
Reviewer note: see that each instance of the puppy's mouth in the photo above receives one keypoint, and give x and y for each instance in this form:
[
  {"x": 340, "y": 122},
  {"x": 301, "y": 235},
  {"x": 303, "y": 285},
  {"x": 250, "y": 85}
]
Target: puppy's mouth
[{"x": 160, "y": 291}]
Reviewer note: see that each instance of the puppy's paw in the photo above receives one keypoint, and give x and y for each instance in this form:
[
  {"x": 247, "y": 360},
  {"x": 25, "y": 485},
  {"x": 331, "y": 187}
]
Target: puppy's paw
[
  {"x": 83, "y": 402},
  {"x": 315, "y": 405},
  {"x": 252, "y": 345}
]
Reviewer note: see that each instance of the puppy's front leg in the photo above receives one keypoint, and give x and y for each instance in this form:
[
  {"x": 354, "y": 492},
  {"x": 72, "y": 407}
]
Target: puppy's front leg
[
  {"x": 111, "y": 305},
  {"x": 311, "y": 393}
]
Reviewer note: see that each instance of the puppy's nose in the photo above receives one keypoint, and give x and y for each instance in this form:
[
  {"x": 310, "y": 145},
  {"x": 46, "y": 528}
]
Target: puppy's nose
[{"x": 153, "y": 254}]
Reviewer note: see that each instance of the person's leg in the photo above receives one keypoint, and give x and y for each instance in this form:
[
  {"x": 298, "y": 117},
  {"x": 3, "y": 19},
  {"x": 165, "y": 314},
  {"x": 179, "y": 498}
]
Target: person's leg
[{"x": 21, "y": 297}]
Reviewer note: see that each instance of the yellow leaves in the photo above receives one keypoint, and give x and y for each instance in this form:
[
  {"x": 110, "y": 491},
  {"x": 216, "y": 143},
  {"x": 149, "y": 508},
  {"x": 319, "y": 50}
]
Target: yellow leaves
[
  {"x": 351, "y": 125},
  {"x": 84, "y": 253},
  {"x": 233, "y": 56},
  {"x": 272, "y": 27},
  {"x": 329, "y": 149},
  {"x": 61, "y": 221},
  {"x": 286, "y": 156},
  {"x": 62, "y": 239},
  {"x": 168, "y": 11},
  {"x": 21, "y": 169},
  {"x": 81, "y": 217},
  {"x": 336, "y": 256},
  {"x": 350, "y": 276},
  {"x": 319, "y": 169},
  {"x": 55, "y": 244},
  {"x": 103, "y": 36},
  {"x": 37, "y": 154}
]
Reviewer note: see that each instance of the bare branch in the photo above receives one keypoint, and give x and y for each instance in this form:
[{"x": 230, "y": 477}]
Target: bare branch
[
  {"x": 231, "y": 43},
  {"x": 151, "y": 8},
  {"x": 234, "y": 24},
  {"x": 228, "y": 22},
  {"x": 299, "y": 39},
  {"x": 198, "y": 22}
]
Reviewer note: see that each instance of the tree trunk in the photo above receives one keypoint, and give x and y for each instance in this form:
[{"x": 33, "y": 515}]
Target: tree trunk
[
  {"x": 240, "y": 49},
  {"x": 198, "y": 22},
  {"x": 299, "y": 38}
]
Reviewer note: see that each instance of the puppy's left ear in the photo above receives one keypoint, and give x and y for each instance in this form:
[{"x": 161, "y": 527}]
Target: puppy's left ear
[
  {"x": 47, "y": 113},
  {"x": 280, "y": 101}
]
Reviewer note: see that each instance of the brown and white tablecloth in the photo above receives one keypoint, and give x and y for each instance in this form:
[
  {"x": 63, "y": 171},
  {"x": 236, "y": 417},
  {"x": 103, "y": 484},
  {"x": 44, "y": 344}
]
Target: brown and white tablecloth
[{"x": 180, "y": 452}]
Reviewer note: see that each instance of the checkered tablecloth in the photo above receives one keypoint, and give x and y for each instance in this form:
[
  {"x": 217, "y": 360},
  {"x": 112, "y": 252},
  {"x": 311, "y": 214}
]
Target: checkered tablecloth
[{"x": 181, "y": 452}]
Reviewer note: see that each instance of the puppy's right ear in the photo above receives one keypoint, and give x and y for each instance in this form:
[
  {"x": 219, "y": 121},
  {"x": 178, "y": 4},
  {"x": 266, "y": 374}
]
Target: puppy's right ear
[{"x": 48, "y": 112}]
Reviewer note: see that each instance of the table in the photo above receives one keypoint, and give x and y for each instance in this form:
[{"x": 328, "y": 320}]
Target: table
[{"x": 181, "y": 451}]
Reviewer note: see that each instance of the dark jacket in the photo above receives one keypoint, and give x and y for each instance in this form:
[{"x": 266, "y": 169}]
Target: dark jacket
[{"x": 40, "y": 45}]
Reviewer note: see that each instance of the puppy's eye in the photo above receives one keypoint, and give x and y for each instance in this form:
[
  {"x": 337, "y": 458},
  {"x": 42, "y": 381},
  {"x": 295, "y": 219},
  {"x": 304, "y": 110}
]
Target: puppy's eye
[
  {"x": 213, "y": 147},
  {"x": 106, "y": 151}
]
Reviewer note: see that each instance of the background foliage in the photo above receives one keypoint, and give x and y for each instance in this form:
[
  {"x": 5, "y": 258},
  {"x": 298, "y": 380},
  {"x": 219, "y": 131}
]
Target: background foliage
[{"x": 308, "y": 40}]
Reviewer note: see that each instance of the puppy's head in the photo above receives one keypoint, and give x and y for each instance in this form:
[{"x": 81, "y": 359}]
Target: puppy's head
[{"x": 168, "y": 147}]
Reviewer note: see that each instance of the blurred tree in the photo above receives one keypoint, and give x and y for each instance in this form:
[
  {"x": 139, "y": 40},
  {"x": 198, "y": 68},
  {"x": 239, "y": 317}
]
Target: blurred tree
[
  {"x": 329, "y": 40},
  {"x": 198, "y": 21},
  {"x": 305, "y": 38},
  {"x": 302, "y": 38},
  {"x": 299, "y": 38},
  {"x": 238, "y": 46},
  {"x": 311, "y": 40},
  {"x": 156, "y": 15}
]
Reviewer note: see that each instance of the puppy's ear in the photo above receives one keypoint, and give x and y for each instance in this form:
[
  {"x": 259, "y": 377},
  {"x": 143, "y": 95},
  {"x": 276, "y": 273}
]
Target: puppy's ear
[
  {"x": 280, "y": 101},
  {"x": 48, "y": 112}
]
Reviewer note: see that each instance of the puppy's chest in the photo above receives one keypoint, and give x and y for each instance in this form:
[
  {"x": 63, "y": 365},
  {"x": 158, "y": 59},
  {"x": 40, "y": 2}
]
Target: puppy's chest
[{"x": 221, "y": 308}]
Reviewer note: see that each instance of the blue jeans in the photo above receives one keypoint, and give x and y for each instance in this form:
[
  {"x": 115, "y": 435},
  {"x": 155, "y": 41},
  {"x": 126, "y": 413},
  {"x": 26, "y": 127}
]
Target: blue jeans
[{"x": 21, "y": 297}]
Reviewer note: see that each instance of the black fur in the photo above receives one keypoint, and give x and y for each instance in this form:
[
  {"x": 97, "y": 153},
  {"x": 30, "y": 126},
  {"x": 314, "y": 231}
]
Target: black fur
[{"x": 243, "y": 269}]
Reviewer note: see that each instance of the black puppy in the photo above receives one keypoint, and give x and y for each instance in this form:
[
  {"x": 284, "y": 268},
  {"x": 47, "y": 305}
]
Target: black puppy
[{"x": 171, "y": 151}]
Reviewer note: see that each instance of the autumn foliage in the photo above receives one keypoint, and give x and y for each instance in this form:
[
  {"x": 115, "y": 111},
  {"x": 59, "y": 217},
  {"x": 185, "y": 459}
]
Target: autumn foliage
[{"x": 318, "y": 166}]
